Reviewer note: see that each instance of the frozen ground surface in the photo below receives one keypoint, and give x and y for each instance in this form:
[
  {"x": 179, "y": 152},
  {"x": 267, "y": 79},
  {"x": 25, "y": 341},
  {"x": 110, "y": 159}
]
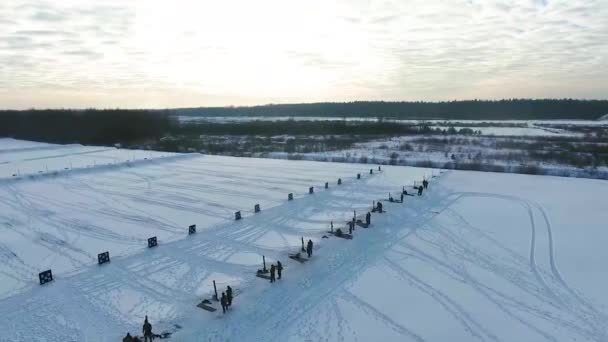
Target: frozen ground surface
[
  {"x": 479, "y": 257},
  {"x": 21, "y": 159}
]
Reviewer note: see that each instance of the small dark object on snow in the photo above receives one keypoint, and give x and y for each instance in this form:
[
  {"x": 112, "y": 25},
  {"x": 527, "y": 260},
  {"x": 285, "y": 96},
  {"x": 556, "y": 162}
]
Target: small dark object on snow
[
  {"x": 358, "y": 176},
  {"x": 206, "y": 305},
  {"x": 378, "y": 208},
  {"x": 152, "y": 242},
  {"x": 102, "y": 258},
  {"x": 311, "y": 190},
  {"x": 191, "y": 229},
  {"x": 297, "y": 257},
  {"x": 45, "y": 277},
  {"x": 237, "y": 215},
  {"x": 256, "y": 208},
  {"x": 290, "y": 197},
  {"x": 340, "y": 234},
  {"x": 339, "y": 181}
]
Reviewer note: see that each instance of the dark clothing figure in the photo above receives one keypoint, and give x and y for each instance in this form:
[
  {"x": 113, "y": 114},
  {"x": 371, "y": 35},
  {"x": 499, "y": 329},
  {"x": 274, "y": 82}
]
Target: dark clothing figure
[
  {"x": 128, "y": 338},
  {"x": 229, "y": 295},
  {"x": 379, "y": 207},
  {"x": 420, "y": 190},
  {"x": 402, "y": 197},
  {"x": 309, "y": 248},
  {"x": 272, "y": 271},
  {"x": 350, "y": 230},
  {"x": 279, "y": 269},
  {"x": 147, "y": 330},
  {"x": 368, "y": 218},
  {"x": 425, "y": 183},
  {"x": 224, "y": 302}
]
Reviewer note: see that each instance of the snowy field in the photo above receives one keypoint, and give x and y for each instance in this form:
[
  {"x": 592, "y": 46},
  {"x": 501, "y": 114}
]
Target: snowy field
[
  {"x": 20, "y": 158},
  {"x": 478, "y": 257}
]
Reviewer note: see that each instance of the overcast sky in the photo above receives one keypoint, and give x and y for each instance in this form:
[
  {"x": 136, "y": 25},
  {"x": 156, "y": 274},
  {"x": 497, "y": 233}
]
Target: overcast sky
[{"x": 181, "y": 53}]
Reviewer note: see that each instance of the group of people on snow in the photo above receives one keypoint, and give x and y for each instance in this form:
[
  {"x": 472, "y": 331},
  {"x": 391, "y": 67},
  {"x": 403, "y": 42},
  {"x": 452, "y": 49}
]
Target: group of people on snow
[
  {"x": 226, "y": 299},
  {"x": 146, "y": 330},
  {"x": 227, "y": 296}
]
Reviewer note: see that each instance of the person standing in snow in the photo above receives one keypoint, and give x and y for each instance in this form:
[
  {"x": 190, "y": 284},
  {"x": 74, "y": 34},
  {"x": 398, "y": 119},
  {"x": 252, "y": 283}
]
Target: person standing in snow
[
  {"x": 420, "y": 190},
  {"x": 425, "y": 183},
  {"x": 379, "y": 207},
  {"x": 368, "y": 218},
  {"x": 279, "y": 269},
  {"x": 272, "y": 271},
  {"x": 224, "y": 302},
  {"x": 309, "y": 248},
  {"x": 229, "y": 295},
  {"x": 402, "y": 197},
  {"x": 147, "y": 330}
]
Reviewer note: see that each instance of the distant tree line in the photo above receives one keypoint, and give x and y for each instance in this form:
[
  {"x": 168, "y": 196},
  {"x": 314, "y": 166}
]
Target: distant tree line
[
  {"x": 292, "y": 127},
  {"x": 511, "y": 109},
  {"x": 96, "y": 127}
]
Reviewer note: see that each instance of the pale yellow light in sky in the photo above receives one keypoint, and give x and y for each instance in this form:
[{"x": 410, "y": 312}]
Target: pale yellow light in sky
[{"x": 181, "y": 53}]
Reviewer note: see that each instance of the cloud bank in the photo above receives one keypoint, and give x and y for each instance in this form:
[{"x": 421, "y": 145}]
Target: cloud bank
[{"x": 153, "y": 53}]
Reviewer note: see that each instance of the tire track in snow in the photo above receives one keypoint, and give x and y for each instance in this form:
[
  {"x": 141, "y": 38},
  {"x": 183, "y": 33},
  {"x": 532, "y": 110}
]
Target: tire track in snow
[
  {"x": 350, "y": 297},
  {"x": 594, "y": 319},
  {"x": 468, "y": 322}
]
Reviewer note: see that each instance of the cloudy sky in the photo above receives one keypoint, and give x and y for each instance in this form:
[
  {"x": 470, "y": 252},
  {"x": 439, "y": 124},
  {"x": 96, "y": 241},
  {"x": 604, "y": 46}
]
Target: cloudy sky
[{"x": 181, "y": 53}]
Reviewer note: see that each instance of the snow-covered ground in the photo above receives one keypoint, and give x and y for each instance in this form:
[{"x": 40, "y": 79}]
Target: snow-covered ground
[
  {"x": 480, "y": 256},
  {"x": 19, "y": 158}
]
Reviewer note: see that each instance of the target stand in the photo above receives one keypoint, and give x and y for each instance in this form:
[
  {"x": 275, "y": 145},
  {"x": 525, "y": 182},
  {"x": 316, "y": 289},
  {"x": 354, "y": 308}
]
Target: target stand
[
  {"x": 152, "y": 242},
  {"x": 45, "y": 277},
  {"x": 103, "y": 258}
]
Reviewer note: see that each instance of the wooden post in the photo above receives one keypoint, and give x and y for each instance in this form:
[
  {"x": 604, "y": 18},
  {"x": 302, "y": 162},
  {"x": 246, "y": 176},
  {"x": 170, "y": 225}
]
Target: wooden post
[
  {"x": 332, "y": 226},
  {"x": 264, "y": 263},
  {"x": 215, "y": 289},
  {"x": 303, "y": 244}
]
